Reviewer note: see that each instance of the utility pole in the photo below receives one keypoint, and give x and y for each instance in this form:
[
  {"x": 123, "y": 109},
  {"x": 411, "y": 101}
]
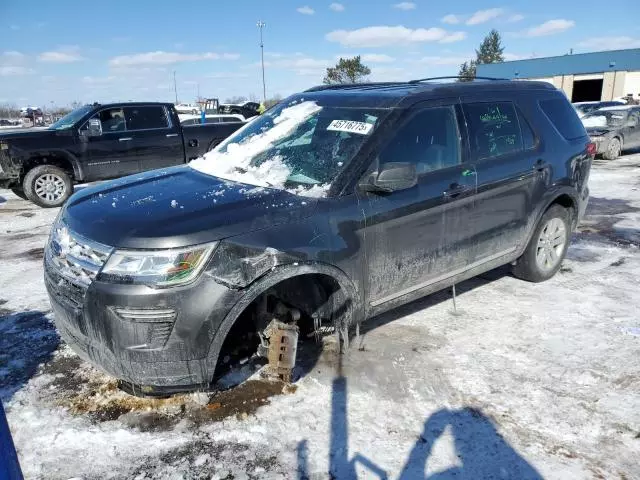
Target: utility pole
[
  {"x": 175, "y": 88},
  {"x": 261, "y": 25}
]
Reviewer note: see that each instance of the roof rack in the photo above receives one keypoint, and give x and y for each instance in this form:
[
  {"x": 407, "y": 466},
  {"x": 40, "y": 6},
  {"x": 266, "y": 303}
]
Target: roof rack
[
  {"x": 345, "y": 86},
  {"x": 419, "y": 80}
]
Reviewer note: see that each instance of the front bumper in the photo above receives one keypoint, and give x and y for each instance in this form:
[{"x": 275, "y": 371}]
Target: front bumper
[
  {"x": 116, "y": 328},
  {"x": 9, "y": 168}
]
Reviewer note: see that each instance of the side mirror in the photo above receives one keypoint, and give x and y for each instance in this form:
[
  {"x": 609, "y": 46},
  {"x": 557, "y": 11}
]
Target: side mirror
[
  {"x": 393, "y": 177},
  {"x": 95, "y": 127}
]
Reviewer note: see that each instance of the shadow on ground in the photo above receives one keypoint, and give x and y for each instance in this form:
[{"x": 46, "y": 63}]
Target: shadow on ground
[
  {"x": 481, "y": 452},
  {"x": 27, "y": 339}
]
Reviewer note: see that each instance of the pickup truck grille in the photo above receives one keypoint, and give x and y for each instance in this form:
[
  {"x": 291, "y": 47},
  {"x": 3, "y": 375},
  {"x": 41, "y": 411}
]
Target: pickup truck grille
[{"x": 74, "y": 257}]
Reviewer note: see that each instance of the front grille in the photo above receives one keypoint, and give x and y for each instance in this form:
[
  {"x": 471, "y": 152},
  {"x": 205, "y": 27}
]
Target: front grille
[
  {"x": 65, "y": 291},
  {"x": 74, "y": 257}
]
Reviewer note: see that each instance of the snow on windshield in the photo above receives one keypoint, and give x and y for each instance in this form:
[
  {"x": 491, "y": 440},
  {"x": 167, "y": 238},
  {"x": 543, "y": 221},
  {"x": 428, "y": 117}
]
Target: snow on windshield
[{"x": 234, "y": 161}]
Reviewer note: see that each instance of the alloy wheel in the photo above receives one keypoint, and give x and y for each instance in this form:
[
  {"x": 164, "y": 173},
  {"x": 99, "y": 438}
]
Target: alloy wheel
[
  {"x": 49, "y": 187},
  {"x": 551, "y": 244}
]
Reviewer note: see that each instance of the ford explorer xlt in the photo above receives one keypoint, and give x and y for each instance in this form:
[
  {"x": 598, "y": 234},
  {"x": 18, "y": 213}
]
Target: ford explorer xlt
[{"x": 339, "y": 203}]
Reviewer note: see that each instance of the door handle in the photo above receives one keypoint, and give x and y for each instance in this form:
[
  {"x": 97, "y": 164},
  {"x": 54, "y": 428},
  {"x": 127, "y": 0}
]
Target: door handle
[
  {"x": 125, "y": 139},
  {"x": 540, "y": 165},
  {"x": 169, "y": 135},
  {"x": 455, "y": 190}
]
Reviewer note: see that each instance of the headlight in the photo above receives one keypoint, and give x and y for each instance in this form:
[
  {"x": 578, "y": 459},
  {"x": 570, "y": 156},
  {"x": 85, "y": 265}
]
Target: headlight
[{"x": 159, "y": 268}]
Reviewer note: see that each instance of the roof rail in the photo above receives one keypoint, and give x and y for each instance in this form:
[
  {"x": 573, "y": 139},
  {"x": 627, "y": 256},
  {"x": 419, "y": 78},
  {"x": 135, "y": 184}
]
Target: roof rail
[
  {"x": 344, "y": 86},
  {"x": 451, "y": 77}
]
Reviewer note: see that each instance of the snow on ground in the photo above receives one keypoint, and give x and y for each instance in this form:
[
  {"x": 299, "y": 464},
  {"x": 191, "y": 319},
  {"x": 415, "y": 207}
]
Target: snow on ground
[{"x": 522, "y": 381}]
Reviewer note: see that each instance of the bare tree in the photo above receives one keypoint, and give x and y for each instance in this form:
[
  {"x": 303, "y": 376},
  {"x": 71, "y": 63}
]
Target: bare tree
[{"x": 236, "y": 100}]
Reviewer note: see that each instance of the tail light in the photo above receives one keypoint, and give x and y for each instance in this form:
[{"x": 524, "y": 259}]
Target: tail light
[{"x": 592, "y": 149}]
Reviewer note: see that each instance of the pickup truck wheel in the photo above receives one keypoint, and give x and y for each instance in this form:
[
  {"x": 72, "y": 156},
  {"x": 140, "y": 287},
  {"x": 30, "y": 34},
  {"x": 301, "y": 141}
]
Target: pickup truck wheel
[
  {"x": 547, "y": 248},
  {"x": 194, "y": 111},
  {"x": 613, "y": 149},
  {"x": 47, "y": 186},
  {"x": 19, "y": 192}
]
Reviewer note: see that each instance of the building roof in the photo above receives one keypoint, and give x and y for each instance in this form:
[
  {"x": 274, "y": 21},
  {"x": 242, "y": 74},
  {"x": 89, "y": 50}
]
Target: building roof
[{"x": 583, "y": 63}]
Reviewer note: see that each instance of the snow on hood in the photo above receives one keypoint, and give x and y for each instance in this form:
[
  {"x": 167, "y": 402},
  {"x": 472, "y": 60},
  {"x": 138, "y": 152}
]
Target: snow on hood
[{"x": 235, "y": 163}]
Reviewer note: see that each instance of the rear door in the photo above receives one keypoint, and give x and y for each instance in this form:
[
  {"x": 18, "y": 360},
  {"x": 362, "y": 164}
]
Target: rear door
[
  {"x": 155, "y": 139},
  {"x": 511, "y": 172},
  {"x": 111, "y": 154},
  {"x": 632, "y": 134},
  {"x": 416, "y": 237}
]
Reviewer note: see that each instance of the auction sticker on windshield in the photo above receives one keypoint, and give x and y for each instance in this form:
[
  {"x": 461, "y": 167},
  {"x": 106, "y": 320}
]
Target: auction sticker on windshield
[{"x": 350, "y": 126}]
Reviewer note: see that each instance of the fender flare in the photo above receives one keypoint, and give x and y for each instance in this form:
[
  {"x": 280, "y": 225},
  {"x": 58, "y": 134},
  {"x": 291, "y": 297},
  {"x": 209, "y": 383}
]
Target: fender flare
[
  {"x": 548, "y": 201},
  {"x": 78, "y": 172},
  {"x": 348, "y": 294}
]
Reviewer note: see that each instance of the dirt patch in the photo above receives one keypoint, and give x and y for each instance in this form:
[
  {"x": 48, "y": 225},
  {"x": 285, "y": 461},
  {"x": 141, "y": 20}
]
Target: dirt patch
[
  {"x": 64, "y": 369},
  {"x": 241, "y": 401},
  {"x": 600, "y": 222},
  {"x": 4, "y": 311},
  {"x": 619, "y": 262},
  {"x": 34, "y": 254},
  {"x": 104, "y": 402},
  {"x": 27, "y": 214}
]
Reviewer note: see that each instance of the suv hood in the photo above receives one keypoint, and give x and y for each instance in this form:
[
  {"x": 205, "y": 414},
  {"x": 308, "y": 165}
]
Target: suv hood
[{"x": 177, "y": 207}]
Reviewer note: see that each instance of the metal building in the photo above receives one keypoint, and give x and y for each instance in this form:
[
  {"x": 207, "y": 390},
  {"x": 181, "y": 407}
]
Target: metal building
[{"x": 583, "y": 77}]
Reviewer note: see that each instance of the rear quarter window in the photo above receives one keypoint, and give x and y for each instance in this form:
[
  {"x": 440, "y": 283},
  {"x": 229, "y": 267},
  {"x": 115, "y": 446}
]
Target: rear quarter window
[{"x": 564, "y": 118}]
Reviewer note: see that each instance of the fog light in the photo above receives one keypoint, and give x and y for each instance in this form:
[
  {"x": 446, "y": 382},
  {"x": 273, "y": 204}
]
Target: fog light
[{"x": 146, "y": 315}]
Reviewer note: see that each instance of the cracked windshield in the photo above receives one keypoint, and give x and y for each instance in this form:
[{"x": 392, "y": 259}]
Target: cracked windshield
[{"x": 300, "y": 146}]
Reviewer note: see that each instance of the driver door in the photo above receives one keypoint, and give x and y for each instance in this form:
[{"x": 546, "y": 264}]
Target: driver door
[
  {"x": 111, "y": 154},
  {"x": 416, "y": 237}
]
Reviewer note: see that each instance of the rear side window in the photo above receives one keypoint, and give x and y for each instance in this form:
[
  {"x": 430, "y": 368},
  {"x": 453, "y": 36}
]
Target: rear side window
[
  {"x": 494, "y": 129},
  {"x": 143, "y": 118},
  {"x": 528, "y": 138},
  {"x": 564, "y": 117}
]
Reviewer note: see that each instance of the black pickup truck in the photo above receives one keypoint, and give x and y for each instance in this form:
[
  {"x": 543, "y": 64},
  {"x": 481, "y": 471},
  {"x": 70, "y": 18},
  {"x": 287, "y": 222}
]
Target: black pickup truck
[{"x": 99, "y": 142}]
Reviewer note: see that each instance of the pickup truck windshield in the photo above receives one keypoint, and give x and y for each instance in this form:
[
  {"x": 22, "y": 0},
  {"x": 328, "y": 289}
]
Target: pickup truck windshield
[
  {"x": 71, "y": 118},
  {"x": 300, "y": 147}
]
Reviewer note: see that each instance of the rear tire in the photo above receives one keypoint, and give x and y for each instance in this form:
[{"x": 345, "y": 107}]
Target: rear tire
[
  {"x": 547, "y": 248},
  {"x": 47, "y": 186},
  {"x": 614, "y": 149}
]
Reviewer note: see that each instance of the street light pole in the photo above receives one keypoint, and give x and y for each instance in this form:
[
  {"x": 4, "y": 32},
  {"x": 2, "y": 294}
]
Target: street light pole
[
  {"x": 175, "y": 88},
  {"x": 261, "y": 25}
]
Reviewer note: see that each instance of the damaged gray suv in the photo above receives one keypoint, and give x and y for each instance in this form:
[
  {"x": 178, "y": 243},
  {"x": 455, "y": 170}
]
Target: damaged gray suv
[{"x": 338, "y": 204}]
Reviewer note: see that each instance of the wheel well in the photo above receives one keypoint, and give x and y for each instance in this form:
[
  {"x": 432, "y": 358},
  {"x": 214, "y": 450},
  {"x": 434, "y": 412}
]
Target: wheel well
[
  {"x": 313, "y": 294},
  {"x": 567, "y": 202},
  {"x": 53, "y": 159}
]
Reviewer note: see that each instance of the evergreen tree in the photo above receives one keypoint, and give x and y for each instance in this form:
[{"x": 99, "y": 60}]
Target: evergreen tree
[
  {"x": 347, "y": 70},
  {"x": 467, "y": 71},
  {"x": 490, "y": 51}
]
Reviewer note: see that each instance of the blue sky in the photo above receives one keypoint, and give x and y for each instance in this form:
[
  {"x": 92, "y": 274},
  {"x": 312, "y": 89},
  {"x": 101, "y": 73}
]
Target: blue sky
[{"x": 88, "y": 51}]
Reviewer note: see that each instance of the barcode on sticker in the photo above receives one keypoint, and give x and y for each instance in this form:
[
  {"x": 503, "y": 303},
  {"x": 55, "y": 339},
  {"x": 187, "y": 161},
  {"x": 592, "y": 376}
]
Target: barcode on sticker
[{"x": 350, "y": 126}]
